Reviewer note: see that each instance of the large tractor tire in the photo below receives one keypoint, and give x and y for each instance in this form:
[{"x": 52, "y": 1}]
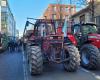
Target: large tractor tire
[
  {"x": 36, "y": 60},
  {"x": 90, "y": 56},
  {"x": 73, "y": 63}
]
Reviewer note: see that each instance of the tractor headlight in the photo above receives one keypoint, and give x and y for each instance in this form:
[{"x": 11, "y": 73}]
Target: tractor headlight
[{"x": 51, "y": 37}]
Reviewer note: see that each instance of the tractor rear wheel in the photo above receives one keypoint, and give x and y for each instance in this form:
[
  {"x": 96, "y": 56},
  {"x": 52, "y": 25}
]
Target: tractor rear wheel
[
  {"x": 90, "y": 56},
  {"x": 36, "y": 60},
  {"x": 73, "y": 63}
]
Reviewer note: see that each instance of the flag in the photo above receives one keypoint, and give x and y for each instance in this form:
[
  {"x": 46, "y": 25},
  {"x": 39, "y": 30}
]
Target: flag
[{"x": 65, "y": 27}]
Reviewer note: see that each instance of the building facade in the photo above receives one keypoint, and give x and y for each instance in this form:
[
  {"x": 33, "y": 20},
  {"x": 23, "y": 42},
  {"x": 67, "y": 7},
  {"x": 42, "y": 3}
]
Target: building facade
[
  {"x": 7, "y": 21},
  {"x": 59, "y": 11},
  {"x": 0, "y": 15},
  {"x": 17, "y": 33},
  {"x": 82, "y": 16},
  {"x": 85, "y": 15}
]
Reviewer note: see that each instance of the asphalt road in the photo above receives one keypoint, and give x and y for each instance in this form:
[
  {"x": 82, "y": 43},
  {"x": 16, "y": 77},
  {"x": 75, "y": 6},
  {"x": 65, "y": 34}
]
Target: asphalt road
[
  {"x": 13, "y": 66},
  {"x": 56, "y": 72}
]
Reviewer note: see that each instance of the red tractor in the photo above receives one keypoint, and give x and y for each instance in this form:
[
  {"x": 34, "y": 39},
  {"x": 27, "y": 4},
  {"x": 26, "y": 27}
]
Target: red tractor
[
  {"x": 47, "y": 43},
  {"x": 88, "y": 41}
]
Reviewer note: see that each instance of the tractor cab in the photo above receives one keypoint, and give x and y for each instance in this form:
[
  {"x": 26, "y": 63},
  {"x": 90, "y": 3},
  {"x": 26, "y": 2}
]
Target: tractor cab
[
  {"x": 48, "y": 30},
  {"x": 85, "y": 33}
]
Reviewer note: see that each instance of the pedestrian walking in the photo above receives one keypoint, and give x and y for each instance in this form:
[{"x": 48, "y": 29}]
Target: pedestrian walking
[
  {"x": 11, "y": 46},
  {"x": 10, "y": 49},
  {"x": 19, "y": 47},
  {"x": 16, "y": 46}
]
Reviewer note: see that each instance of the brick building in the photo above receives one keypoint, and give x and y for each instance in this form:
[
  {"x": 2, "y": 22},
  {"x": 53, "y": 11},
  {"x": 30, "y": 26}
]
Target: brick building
[{"x": 59, "y": 11}]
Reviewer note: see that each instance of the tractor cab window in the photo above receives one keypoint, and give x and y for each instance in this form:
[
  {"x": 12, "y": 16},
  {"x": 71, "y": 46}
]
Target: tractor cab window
[
  {"x": 43, "y": 31},
  {"x": 76, "y": 29},
  {"x": 51, "y": 29},
  {"x": 89, "y": 29}
]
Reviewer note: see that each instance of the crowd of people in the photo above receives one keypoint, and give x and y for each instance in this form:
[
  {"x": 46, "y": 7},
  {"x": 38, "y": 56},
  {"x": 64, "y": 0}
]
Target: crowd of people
[{"x": 14, "y": 45}]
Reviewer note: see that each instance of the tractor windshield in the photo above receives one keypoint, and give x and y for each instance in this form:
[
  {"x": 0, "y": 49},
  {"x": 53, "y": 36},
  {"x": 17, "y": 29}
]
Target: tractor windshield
[{"x": 89, "y": 29}]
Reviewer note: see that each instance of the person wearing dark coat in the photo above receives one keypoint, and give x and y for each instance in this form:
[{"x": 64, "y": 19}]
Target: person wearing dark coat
[{"x": 11, "y": 46}]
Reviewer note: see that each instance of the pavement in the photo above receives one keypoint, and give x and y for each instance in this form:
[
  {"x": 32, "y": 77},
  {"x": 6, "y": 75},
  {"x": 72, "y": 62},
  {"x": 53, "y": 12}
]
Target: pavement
[{"x": 13, "y": 66}]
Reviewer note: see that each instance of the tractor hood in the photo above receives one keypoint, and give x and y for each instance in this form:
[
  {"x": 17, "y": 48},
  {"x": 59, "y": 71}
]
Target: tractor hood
[
  {"x": 95, "y": 39},
  {"x": 94, "y": 36}
]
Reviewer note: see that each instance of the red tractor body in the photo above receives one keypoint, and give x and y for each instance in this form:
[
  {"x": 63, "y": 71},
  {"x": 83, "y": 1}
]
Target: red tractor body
[
  {"x": 72, "y": 38},
  {"x": 94, "y": 39},
  {"x": 48, "y": 44}
]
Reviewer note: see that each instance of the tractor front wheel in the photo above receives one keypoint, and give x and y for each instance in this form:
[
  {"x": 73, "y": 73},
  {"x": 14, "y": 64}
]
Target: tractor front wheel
[
  {"x": 90, "y": 56},
  {"x": 35, "y": 60},
  {"x": 72, "y": 54}
]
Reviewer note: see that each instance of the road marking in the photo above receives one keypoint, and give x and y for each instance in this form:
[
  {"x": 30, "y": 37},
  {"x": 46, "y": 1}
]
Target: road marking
[
  {"x": 85, "y": 70},
  {"x": 24, "y": 66},
  {"x": 92, "y": 73}
]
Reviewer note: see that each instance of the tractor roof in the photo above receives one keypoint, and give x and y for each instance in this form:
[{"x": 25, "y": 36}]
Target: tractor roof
[{"x": 48, "y": 21}]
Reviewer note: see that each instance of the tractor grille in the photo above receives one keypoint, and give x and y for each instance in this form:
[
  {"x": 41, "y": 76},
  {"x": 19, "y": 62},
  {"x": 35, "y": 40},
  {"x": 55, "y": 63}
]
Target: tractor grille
[{"x": 56, "y": 39}]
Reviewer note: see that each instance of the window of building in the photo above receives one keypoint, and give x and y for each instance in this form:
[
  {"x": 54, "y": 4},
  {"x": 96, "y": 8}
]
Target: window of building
[
  {"x": 3, "y": 9},
  {"x": 98, "y": 20},
  {"x": 3, "y": 3},
  {"x": 3, "y": 20},
  {"x": 82, "y": 18},
  {"x": 54, "y": 8},
  {"x": 3, "y": 16},
  {"x": 62, "y": 9},
  {"x": 72, "y": 9},
  {"x": 53, "y": 16},
  {"x": 67, "y": 17},
  {"x": 67, "y": 9}
]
